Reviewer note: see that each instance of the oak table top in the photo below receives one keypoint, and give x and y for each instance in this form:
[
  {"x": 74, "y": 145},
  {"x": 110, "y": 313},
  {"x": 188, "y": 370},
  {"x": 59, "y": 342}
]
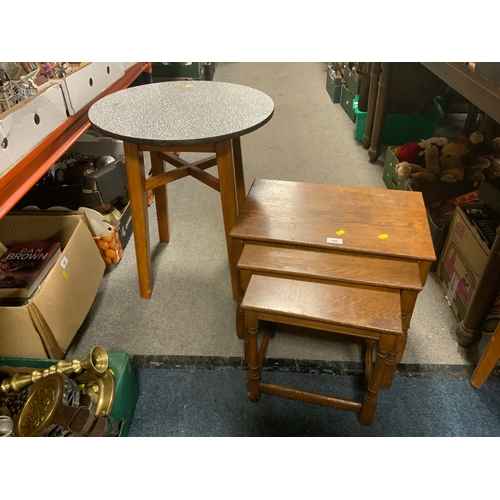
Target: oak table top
[{"x": 343, "y": 218}]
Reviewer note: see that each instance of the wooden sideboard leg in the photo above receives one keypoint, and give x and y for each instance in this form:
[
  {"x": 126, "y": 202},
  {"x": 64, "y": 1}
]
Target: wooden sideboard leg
[
  {"x": 488, "y": 360},
  {"x": 161, "y": 198},
  {"x": 380, "y": 111},
  {"x": 252, "y": 356},
  {"x": 469, "y": 330},
  {"x": 372, "y": 102},
  {"x": 139, "y": 209}
]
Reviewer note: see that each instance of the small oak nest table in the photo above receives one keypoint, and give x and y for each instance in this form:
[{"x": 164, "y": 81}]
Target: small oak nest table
[{"x": 187, "y": 116}]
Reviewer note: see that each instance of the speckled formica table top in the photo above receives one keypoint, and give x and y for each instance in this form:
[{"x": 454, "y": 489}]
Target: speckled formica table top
[{"x": 181, "y": 113}]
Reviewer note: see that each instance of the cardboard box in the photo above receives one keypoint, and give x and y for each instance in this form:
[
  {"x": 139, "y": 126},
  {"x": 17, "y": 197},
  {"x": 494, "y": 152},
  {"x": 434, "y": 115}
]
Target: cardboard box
[
  {"x": 126, "y": 385},
  {"x": 462, "y": 263},
  {"x": 46, "y": 325},
  {"x": 489, "y": 192},
  {"x": 126, "y": 65},
  {"x": 92, "y": 145},
  {"x": 28, "y": 123},
  {"x": 439, "y": 228},
  {"x": 86, "y": 83}
]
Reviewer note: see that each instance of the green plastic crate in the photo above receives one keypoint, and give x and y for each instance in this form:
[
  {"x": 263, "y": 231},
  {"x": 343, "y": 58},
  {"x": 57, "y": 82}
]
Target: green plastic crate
[
  {"x": 347, "y": 100},
  {"x": 351, "y": 81},
  {"x": 127, "y": 387},
  {"x": 400, "y": 128},
  {"x": 333, "y": 87},
  {"x": 178, "y": 70},
  {"x": 391, "y": 179}
]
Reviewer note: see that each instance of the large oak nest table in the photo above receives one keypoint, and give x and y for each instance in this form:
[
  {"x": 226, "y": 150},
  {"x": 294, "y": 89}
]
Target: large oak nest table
[
  {"x": 343, "y": 259},
  {"x": 187, "y": 116}
]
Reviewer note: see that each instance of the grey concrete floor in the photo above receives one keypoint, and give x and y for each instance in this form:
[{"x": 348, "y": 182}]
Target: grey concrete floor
[{"x": 191, "y": 312}]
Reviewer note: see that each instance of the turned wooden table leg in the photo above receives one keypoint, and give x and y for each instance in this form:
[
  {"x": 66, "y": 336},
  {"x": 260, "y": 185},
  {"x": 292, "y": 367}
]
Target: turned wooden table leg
[
  {"x": 386, "y": 346},
  {"x": 139, "y": 210},
  {"x": 252, "y": 356},
  {"x": 469, "y": 330},
  {"x": 380, "y": 111},
  {"x": 372, "y": 102}
]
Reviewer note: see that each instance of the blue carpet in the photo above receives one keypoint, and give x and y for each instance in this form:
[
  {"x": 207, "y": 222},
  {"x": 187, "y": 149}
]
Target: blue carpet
[{"x": 207, "y": 403}]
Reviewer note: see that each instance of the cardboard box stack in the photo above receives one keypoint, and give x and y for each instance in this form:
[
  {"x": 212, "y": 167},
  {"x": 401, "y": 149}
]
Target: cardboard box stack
[{"x": 467, "y": 248}]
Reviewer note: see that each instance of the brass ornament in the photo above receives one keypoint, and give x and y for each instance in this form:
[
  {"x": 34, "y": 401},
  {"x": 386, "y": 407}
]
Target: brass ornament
[
  {"x": 96, "y": 361},
  {"x": 100, "y": 387},
  {"x": 53, "y": 410}
]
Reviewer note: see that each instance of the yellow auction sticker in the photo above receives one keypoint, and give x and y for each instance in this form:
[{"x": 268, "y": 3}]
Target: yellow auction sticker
[
  {"x": 383, "y": 236},
  {"x": 340, "y": 231},
  {"x": 189, "y": 85},
  {"x": 65, "y": 275}
]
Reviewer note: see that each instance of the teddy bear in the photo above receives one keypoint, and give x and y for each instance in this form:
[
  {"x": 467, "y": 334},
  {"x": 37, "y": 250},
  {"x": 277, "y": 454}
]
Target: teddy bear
[
  {"x": 431, "y": 154},
  {"x": 404, "y": 169},
  {"x": 493, "y": 170},
  {"x": 436, "y": 141},
  {"x": 451, "y": 169}
]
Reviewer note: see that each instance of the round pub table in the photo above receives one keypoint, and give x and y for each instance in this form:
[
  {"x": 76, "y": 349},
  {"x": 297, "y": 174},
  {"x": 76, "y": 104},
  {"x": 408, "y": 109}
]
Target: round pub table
[{"x": 181, "y": 116}]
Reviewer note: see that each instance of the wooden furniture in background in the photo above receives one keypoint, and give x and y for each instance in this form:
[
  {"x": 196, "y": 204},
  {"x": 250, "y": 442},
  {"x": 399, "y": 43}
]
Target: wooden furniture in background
[
  {"x": 400, "y": 88},
  {"x": 197, "y": 116},
  {"x": 469, "y": 330}
]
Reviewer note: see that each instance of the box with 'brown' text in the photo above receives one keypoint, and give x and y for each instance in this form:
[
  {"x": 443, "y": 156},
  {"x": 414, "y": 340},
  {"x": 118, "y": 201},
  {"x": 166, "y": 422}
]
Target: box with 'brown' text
[{"x": 45, "y": 325}]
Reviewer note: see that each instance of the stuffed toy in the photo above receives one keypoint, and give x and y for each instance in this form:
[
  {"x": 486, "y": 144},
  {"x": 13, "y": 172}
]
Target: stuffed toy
[
  {"x": 459, "y": 148},
  {"x": 423, "y": 174},
  {"x": 496, "y": 146},
  {"x": 405, "y": 169},
  {"x": 436, "y": 141},
  {"x": 432, "y": 165},
  {"x": 408, "y": 152},
  {"x": 493, "y": 170},
  {"x": 451, "y": 169}
]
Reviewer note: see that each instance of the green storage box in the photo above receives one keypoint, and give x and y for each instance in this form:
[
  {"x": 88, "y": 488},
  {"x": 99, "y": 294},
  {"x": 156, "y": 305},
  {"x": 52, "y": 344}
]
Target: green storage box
[
  {"x": 347, "y": 102},
  {"x": 432, "y": 191},
  {"x": 351, "y": 81},
  {"x": 400, "y": 129},
  {"x": 333, "y": 87},
  {"x": 391, "y": 179},
  {"x": 127, "y": 388},
  {"x": 178, "y": 70}
]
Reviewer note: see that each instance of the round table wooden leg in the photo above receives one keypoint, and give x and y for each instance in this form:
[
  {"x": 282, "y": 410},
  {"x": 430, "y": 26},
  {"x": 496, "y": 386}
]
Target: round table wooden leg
[{"x": 369, "y": 350}]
